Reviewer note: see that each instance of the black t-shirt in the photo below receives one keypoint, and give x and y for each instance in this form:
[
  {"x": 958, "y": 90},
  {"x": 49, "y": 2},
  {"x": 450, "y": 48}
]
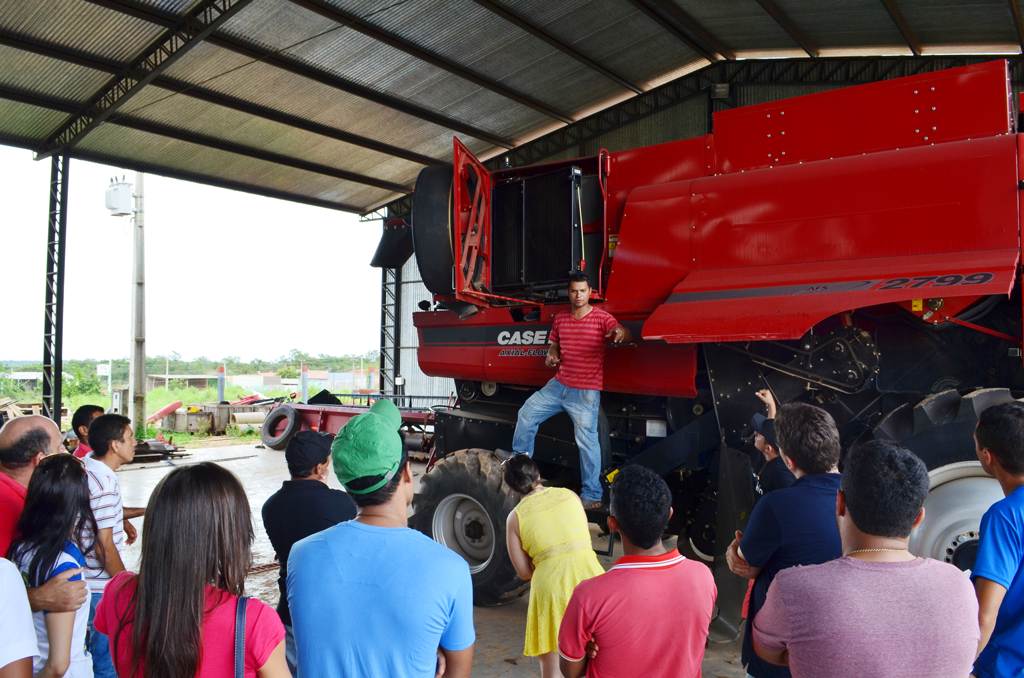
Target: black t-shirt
[
  {"x": 773, "y": 476},
  {"x": 301, "y": 508}
]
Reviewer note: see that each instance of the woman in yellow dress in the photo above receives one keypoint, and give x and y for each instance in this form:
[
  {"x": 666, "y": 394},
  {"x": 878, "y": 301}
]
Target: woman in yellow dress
[{"x": 549, "y": 543}]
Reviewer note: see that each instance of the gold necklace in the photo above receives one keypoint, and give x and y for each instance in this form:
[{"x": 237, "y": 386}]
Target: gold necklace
[{"x": 871, "y": 551}]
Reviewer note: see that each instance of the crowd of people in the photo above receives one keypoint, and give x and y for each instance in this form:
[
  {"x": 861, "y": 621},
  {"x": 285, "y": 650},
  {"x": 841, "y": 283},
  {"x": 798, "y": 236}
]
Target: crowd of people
[{"x": 834, "y": 589}]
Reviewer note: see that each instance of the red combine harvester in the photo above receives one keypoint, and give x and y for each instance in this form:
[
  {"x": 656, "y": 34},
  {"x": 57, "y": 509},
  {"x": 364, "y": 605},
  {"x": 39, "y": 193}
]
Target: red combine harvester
[{"x": 856, "y": 249}]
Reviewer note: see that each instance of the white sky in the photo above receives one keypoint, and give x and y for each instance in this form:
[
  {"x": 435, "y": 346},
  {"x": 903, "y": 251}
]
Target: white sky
[{"x": 227, "y": 273}]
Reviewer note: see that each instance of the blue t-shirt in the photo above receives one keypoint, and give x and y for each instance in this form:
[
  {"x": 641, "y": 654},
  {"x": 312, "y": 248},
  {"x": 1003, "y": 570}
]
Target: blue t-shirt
[
  {"x": 377, "y": 601},
  {"x": 788, "y": 527},
  {"x": 1001, "y": 559}
]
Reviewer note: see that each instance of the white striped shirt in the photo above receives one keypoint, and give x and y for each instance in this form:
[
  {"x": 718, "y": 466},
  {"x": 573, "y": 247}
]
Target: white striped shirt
[{"x": 105, "y": 501}]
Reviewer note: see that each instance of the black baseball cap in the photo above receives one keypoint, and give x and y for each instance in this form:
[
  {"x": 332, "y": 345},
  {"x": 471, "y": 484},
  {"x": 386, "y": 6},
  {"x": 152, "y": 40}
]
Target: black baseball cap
[
  {"x": 766, "y": 427},
  {"x": 307, "y": 449}
]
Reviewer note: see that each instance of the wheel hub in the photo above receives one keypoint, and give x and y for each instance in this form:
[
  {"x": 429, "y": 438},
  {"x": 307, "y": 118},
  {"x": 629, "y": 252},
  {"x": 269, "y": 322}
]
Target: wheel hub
[
  {"x": 461, "y": 523},
  {"x": 960, "y": 494}
]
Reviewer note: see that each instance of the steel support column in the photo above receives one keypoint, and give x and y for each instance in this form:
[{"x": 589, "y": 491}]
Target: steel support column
[
  {"x": 53, "y": 320},
  {"x": 390, "y": 327}
]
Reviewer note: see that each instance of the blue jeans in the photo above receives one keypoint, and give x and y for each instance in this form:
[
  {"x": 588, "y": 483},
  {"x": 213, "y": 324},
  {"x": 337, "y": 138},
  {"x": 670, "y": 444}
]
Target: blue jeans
[
  {"x": 291, "y": 653},
  {"x": 582, "y": 406},
  {"x": 97, "y": 644}
]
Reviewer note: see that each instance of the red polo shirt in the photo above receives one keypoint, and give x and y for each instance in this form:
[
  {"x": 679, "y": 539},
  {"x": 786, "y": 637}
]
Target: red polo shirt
[
  {"x": 12, "y": 503},
  {"x": 648, "y": 614}
]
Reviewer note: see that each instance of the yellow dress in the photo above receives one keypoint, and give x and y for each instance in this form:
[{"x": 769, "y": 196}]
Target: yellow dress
[{"x": 553, "y": 530}]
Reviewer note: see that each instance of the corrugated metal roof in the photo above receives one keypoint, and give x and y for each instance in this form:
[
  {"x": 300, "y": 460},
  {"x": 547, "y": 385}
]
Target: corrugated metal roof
[
  {"x": 33, "y": 72},
  {"x": 281, "y": 80}
]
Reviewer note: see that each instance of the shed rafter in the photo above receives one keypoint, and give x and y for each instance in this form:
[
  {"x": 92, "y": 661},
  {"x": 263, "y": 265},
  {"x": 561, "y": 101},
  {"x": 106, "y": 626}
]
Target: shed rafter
[
  {"x": 175, "y": 43},
  {"x": 213, "y": 97},
  {"x": 537, "y": 32},
  {"x": 172, "y": 132},
  {"x": 293, "y": 65},
  {"x": 787, "y": 25},
  {"x": 908, "y": 35}
]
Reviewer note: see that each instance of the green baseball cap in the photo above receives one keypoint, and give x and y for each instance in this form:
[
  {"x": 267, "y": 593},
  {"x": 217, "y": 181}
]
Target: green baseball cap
[{"x": 368, "y": 446}]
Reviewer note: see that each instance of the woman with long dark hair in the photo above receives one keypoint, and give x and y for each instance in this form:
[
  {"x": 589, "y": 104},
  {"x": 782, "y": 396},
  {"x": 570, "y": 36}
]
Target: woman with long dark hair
[
  {"x": 548, "y": 540},
  {"x": 176, "y": 617},
  {"x": 56, "y": 529}
]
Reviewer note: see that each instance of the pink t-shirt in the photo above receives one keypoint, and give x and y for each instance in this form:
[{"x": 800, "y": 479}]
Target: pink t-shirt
[
  {"x": 263, "y": 630},
  {"x": 581, "y": 347},
  {"x": 848, "y": 619},
  {"x": 648, "y": 614}
]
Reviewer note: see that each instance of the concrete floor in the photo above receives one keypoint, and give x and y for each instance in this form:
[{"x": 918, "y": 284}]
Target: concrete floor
[{"x": 499, "y": 645}]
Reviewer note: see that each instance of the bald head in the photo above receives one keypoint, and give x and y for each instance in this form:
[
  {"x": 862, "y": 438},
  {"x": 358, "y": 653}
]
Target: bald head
[{"x": 26, "y": 440}]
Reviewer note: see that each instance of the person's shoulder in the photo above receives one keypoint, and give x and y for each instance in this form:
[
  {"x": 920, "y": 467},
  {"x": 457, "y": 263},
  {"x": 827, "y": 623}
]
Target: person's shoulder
[
  {"x": 9, "y": 574},
  {"x": 693, "y": 569},
  {"x": 947, "y": 574},
  {"x": 601, "y": 314},
  {"x": 98, "y": 470},
  {"x": 1010, "y": 506}
]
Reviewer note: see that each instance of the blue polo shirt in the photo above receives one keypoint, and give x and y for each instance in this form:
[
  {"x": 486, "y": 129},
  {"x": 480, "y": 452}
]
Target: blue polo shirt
[
  {"x": 1001, "y": 559},
  {"x": 377, "y": 601},
  {"x": 788, "y": 527}
]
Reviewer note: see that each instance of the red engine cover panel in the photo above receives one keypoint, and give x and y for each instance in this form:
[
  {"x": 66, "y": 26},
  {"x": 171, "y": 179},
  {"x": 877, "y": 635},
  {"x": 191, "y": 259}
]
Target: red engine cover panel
[
  {"x": 948, "y": 210},
  {"x": 950, "y": 105}
]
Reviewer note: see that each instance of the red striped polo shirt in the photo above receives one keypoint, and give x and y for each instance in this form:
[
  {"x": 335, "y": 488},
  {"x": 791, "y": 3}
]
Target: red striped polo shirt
[{"x": 581, "y": 344}]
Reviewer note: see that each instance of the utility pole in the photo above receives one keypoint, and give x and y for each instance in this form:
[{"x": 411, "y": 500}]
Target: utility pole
[{"x": 137, "y": 366}]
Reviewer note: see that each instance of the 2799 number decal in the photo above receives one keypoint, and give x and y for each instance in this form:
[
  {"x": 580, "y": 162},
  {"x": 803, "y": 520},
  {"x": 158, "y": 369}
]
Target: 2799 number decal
[{"x": 936, "y": 281}]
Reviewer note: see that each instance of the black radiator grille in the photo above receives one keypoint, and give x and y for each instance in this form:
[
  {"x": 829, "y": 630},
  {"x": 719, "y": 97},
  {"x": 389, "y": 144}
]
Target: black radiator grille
[
  {"x": 507, "y": 235},
  {"x": 547, "y": 227}
]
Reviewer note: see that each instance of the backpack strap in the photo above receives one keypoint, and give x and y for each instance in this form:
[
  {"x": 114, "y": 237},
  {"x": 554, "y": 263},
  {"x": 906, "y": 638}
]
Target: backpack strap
[{"x": 243, "y": 603}]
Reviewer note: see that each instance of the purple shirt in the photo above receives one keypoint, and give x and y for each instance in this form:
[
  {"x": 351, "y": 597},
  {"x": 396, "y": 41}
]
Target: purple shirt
[{"x": 848, "y": 619}]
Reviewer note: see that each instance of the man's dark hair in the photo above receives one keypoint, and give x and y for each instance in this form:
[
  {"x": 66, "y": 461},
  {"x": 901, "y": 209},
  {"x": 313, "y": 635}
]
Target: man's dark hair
[
  {"x": 521, "y": 473},
  {"x": 579, "y": 276},
  {"x": 1001, "y": 431},
  {"x": 808, "y": 435},
  {"x": 885, "y": 486},
  {"x": 641, "y": 503},
  {"x": 83, "y": 416},
  {"x": 19, "y": 453},
  {"x": 383, "y": 494},
  {"x": 105, "y": 430}
]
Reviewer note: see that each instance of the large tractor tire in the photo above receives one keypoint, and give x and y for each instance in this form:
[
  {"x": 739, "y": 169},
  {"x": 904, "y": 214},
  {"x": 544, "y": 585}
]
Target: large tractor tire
[
  {"x": 463, "y": 504},
  {"x": 940, "y": 430}
]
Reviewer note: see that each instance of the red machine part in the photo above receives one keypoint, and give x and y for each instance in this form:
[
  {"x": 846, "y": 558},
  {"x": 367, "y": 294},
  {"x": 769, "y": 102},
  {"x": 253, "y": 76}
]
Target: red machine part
[
  {"x": 331, "y": 418},
  {"x": 740, "y": 236},
  {"x": 921, "y": 110},
  {"x": 472, "y": 209}
]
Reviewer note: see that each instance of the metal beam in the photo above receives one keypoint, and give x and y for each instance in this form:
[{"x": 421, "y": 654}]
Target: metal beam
[
  {"x": 782, "y": 20},
  {"x": 292, "y": 65},
  {"x": 53, "y": 307},
  {"x": 694, "y": 27},
  {"x": 1018, "y": 23},
  {"x": 393, "y": 40},
  {"x": 537, "y": 32},
  {"x": 187, "y": 136},
  {"x": 213, "y": 97},
  {"x": 158, "y": 57},
  {"x": 908, "y": 35},
  {"x": 207, "y": 180},
  {"x": 697, "y": 47}
]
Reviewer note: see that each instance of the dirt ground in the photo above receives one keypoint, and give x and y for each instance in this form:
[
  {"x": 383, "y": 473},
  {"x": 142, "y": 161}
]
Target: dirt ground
[{"x": 499, "y": 645}]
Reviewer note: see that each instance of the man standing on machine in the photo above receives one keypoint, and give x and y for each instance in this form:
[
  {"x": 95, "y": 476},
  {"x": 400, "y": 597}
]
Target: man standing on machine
[{"x": 577, "y": 349}]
